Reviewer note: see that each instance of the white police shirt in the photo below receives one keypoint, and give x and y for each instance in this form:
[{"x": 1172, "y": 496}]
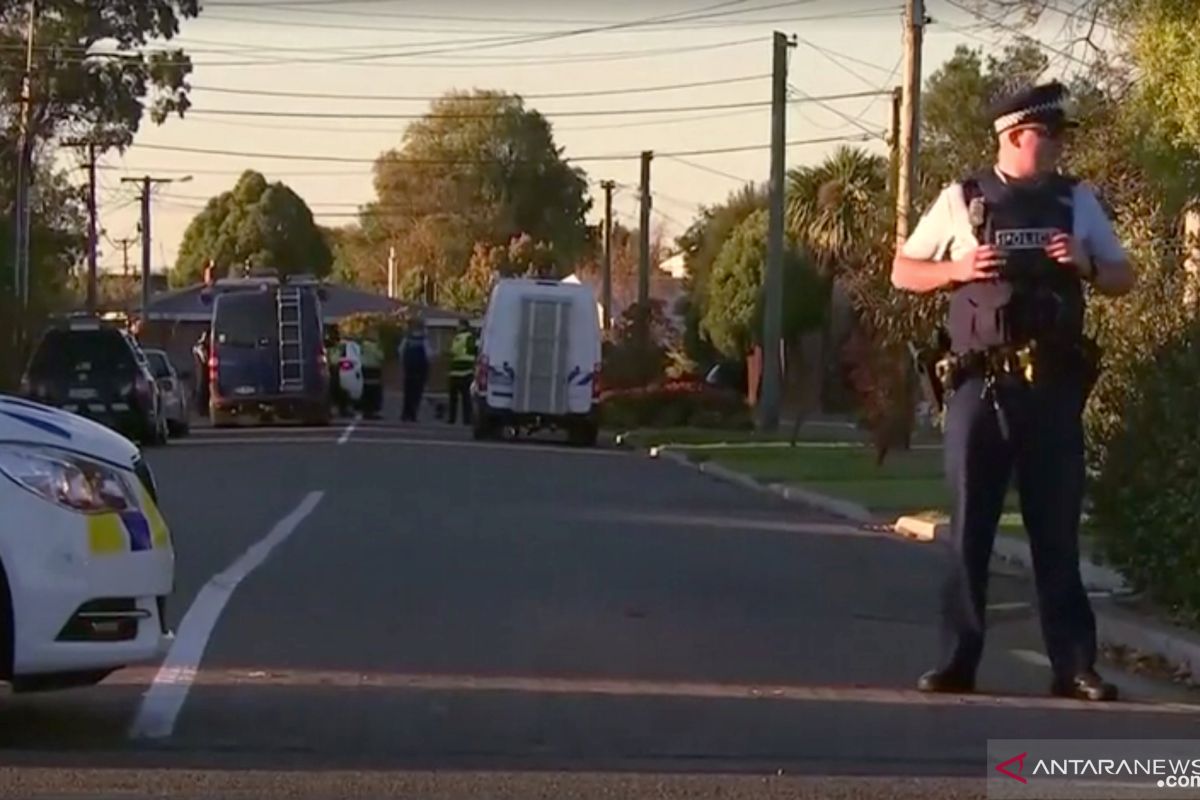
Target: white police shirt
[{"x": 945, "y": 230}]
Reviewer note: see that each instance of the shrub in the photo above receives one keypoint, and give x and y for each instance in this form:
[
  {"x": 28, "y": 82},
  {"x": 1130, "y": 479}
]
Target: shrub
[
  {"x": 1146, "y": 499},
  {"x": 387, "y": 330},
  {"x": 674, "y": 404}
]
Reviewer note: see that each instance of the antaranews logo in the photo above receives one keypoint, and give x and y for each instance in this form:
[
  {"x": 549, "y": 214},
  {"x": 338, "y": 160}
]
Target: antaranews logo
[
  {"x": 1083, "y": 769},
  {"x": 1016, "y": 762}
]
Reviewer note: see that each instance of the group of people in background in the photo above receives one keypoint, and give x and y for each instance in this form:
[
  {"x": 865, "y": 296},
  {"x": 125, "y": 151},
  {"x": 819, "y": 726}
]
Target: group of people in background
[
  {"x": 416, "y": 355},
  {"x": 415, "y": 360}
]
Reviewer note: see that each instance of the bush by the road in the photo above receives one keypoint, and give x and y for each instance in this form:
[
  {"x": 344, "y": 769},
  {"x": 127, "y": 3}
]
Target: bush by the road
[
  {"x": 1147, "y": 496},
  {"x": 385, "y": 329},
  {"x": 674, "y": 404}
]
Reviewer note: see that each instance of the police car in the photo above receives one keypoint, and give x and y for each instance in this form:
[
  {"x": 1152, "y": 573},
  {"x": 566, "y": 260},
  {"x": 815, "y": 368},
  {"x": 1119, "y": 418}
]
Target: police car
[{"x": 86, "y": 559}]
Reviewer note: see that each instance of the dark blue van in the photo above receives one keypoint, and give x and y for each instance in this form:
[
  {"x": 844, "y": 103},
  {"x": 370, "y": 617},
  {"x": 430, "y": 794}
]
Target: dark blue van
[{"x": 267, "y": 358}]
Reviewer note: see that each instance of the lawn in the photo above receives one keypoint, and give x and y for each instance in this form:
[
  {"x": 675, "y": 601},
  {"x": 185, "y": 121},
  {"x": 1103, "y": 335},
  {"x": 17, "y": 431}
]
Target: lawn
[{"x": 908, "y": 482}]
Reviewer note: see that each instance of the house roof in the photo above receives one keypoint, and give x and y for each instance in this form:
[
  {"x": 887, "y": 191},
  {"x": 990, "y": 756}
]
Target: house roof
[{"x": 186, "y": 305}]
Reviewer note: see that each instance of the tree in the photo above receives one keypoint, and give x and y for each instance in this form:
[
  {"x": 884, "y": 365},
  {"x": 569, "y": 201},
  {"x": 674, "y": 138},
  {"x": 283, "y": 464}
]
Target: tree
[
  {"x": 91, "y": 76},
  {"x": 701, "y": 244},
  {"x": 734, "y": 317},
  {"x": 834, "y": 207},
  {"x": 956, "y": 130},
  {"x": 479, "y": 168},
  {"x": 260, "y": 224}
]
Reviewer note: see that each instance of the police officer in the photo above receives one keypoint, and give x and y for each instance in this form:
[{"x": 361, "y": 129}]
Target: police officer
[
  {"x": 1014, "y": 245},
  {"x": 462, "y": 368}
]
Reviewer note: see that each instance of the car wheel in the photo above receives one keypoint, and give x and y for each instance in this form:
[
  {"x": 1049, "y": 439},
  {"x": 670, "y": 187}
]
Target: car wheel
[{"x": 7, "y": 629}]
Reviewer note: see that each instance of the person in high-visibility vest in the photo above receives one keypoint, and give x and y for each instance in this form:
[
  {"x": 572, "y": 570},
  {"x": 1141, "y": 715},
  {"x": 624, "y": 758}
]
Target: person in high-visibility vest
[
  {"x": 462, "y": 369},
  {"x": 372, "y": 369}
]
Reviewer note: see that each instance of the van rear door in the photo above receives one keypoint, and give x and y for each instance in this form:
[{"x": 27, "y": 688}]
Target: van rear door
[
  {"x": 245, "y": 341},
  {"x": 543, "y": 343}
]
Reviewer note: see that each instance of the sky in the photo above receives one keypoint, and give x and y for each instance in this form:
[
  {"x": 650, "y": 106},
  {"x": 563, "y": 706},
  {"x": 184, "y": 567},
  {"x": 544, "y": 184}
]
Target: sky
[{"x": 417, "y": 48}]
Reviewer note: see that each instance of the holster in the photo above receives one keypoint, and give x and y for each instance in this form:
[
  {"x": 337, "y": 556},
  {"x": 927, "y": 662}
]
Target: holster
[{"x": 929, "y": 363}]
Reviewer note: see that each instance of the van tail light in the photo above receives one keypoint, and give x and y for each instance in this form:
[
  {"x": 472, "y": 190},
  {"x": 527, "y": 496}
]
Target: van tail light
[
  {"x": 214, "y": 366},
  {"x": 346, "y": 365},
  {"x": 481, "y": 373}
]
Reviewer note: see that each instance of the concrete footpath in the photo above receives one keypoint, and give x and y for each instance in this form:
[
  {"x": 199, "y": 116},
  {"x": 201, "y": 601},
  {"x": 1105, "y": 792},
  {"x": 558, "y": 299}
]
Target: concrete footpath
[{"x": 1116, "y": 625}]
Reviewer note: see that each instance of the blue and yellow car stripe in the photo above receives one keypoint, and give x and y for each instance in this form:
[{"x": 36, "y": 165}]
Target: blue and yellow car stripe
[{"x": 129, "y": 531}]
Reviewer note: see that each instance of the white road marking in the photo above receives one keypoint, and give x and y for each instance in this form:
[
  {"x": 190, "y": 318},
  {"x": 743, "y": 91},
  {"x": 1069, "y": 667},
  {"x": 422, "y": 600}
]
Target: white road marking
[
  {"x": 1032, "y": 657},
  {"x": 346, "y": 434},
  {"x": 1008, "y": 606},
  {"x": 162, "y": 703}
]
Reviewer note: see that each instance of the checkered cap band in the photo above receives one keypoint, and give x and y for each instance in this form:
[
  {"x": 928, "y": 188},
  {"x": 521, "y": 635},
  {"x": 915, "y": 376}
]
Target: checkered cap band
[{"x": 1017, "y": 117}]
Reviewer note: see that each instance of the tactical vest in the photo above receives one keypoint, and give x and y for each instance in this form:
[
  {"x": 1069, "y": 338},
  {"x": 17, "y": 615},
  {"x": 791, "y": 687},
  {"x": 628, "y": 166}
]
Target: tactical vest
[{"x": 1034, "y": 298}]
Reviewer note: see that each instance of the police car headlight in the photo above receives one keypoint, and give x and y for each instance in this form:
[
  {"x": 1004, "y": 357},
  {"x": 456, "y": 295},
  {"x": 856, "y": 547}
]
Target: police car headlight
[{"x": 67, "y": 480}]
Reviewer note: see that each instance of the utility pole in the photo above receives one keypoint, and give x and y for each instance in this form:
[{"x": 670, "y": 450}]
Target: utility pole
[
  {"x": 894, "y": 139},
  {"x": 772, "y": 380},
  {"x": 391, "y": 273},
  {"x": 125, "y": 244},
  {"x": 606, "y": 293},
  {"x": 910, "y": 115},
  {"x": 644, "y": 248},
  {"x": 93, "y": 242},
  {"x": 24, "y": 171},
  {"x": 147, "y": 183}
]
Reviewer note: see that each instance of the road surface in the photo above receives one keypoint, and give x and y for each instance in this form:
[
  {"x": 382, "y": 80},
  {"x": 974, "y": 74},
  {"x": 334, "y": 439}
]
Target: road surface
[{"x": 375, "y": 609}]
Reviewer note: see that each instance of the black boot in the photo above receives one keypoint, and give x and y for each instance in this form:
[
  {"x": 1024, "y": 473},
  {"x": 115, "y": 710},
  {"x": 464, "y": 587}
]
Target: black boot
[
  {"x": 948, "y": 680},
  {"x": 1085, "y": 685}
]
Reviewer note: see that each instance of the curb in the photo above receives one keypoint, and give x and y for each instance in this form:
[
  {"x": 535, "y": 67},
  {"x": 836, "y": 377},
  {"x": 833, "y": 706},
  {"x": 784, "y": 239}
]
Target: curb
[
  {"x": 1096, "y": 578},
  {"x": 794, "y": 494},
  {"x": 1176, "y": 645}
]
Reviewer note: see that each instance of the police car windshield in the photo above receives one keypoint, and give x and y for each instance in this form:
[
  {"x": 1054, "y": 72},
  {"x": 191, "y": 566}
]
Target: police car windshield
[
  {"x": 245, "y": 320},
  {"x": 93, "y": 350}
]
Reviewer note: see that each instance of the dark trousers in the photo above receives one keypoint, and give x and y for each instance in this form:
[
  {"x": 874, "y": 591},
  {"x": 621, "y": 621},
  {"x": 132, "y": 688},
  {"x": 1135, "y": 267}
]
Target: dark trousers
[
  {"x": 372, "y": 397},
  {"x": 414, "y": 388},
  {"x": 460, "y": 391},
  {"x": 1044, "y": 445}
]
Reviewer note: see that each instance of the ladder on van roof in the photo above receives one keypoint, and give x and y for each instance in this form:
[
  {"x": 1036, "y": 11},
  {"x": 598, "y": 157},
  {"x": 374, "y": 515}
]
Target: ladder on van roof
[{"x": 291, "y": 339}]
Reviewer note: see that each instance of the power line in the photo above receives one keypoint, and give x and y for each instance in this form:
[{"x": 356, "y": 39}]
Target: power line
[
  {"x": 609, "y": 112},
  {"x": 877, "y": 134},
  {"x": 430, "y": 98},
  {"x": 1002, "y": 26},
  {"x": 465, "y": 162},
  {"x": 557, "y": 128},
  {"x": 380, "y": 59},
  {"x": 710, "y": 170},
  {"x": 666, "y": 25},
  {"x": 703, "y": 13}
]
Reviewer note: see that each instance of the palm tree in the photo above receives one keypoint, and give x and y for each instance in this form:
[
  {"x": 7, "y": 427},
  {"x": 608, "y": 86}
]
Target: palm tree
[{"x": 837, "y": 208}]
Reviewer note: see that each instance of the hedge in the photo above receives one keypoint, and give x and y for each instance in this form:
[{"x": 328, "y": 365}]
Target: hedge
[
  {"x": 674, "y": 404},
  {"x": 1146, "y": 499}
]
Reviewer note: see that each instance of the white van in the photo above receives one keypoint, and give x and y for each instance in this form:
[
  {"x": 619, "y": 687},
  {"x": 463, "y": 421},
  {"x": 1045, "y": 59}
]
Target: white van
[{"x": 539, "y": 360}]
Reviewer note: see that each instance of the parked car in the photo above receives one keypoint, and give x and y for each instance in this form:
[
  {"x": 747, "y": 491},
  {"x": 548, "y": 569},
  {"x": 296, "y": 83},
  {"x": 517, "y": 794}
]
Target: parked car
[
  {"x": 86, "y": 595},
  {"x": 176, "y": 399},
  {"x": 347, "y": 358},
  {"x": 97, "y": 369},
  {"x": 539, "y": 360}
]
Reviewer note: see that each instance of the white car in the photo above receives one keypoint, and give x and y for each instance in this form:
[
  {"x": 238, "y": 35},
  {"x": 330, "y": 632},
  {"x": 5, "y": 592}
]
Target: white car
[
  {"x": 350, "y": 373},
  {"x": 86, "y": 559},
  {"x": 176, "y": 400}
]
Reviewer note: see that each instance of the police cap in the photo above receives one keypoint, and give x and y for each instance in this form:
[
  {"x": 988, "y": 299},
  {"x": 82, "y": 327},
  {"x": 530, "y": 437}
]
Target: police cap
[{"x": 1044, "y": 104}]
